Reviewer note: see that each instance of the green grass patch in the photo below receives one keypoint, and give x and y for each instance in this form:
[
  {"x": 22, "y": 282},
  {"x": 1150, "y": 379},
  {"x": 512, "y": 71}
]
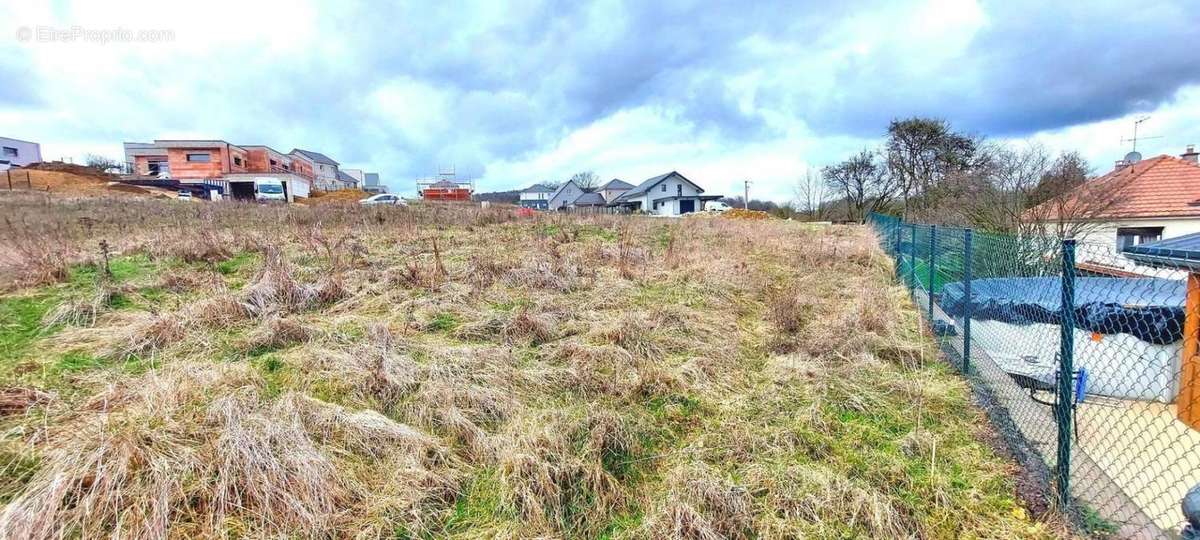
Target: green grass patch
[
  {"x": 479, "y": 506},
  {"x": 238, "y": 265},
  {"x": 21, "y": 324},
  {"x": 124, "y": 268},
  {"x": 444, "y": 322}
]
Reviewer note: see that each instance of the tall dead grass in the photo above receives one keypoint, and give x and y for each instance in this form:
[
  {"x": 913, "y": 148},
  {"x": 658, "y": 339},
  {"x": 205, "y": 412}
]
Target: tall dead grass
[{"x": 600, "y": 376}]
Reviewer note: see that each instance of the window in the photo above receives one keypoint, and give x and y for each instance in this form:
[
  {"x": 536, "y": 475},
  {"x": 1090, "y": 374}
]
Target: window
[
  {"x": 1132, "y": 236},
  {"x": 199, "y": 158},
  {"x": 11, "y": 152},
  {"x": 273, "y": 163},
  {"x": 237, "y": 161},
  {"x": 664, "y": 188}
]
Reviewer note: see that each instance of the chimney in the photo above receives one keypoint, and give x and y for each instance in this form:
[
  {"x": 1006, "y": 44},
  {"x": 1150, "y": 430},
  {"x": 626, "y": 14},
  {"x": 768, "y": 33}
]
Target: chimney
[{"x": 1191, "y": 154}]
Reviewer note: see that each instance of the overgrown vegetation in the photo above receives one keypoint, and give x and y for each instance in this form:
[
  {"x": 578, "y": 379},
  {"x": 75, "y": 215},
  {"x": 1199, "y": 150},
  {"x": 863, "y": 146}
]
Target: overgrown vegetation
[{"x": 446, "y": 372}]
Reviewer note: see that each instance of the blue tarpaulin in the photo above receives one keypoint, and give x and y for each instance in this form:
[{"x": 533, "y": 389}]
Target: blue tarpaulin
[{"x": 1150, "y": 309}]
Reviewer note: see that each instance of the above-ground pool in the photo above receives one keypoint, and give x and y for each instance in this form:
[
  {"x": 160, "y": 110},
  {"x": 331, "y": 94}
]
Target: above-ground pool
[{"x": 1128, "y": 331}]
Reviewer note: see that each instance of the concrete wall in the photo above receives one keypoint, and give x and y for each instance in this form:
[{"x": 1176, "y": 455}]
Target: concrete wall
[{"x": 25, "y": 152}]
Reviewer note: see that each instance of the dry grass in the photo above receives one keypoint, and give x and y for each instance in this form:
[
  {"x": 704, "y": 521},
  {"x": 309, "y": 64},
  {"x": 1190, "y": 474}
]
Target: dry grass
[{"x": 448, "y": 372}]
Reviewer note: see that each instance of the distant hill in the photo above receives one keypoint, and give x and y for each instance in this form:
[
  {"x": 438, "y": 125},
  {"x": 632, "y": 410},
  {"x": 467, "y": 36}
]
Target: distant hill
[{"x": 509, "y": 197}]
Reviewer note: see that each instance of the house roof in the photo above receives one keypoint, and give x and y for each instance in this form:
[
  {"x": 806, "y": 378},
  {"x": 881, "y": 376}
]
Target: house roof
[
  {"x": 538, "y": 188},
  {"x": 589, "y": 199},
  {"x": 341, "y": 175},
  {"x": 1179, "y": 252},
  {"x": 316, "y": 156},
  {"x": 564, "y": 186},
  {"x": 443, "y": 184},
  {"x": 649, "y": 184},
  {"x": 615, "y": 183},
  {"x": 1159, "y": 187}
]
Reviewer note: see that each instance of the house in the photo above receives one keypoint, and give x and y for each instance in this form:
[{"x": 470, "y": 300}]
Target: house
[
  {"x": 589, "y": 199},
  {"x": 670, "y": 194},
  {"x": 345, "y": 181},
  {"x": 564, "y": 195},
  {"x": 613, "y": 189},
  {"x": 18, "y": 153},
  {"x": 445, "y": 187},
  {"x": 1155, "y": 199},
  {"x": 536, "y": 196},
  {"x": 325, "y": 170},
  {"x": 227, "y": 168},
  {"x": 356, "y": 174},
  {"x": 371, "y": 183}
]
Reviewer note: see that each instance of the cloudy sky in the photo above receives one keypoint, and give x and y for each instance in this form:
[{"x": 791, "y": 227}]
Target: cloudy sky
[{"x": 533, "y": 91}]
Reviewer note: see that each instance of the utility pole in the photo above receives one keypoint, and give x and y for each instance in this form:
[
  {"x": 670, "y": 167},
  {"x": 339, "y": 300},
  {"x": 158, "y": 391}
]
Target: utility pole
[{"x": 746, "y": 195}]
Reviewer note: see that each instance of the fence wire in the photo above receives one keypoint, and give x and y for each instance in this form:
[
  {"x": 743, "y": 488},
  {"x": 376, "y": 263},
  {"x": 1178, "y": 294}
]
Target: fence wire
[{"x": 1084, "y": 351}]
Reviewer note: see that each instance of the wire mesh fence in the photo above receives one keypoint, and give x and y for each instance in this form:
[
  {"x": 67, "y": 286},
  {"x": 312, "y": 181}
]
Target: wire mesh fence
[{"x": 1090, "y": 355}]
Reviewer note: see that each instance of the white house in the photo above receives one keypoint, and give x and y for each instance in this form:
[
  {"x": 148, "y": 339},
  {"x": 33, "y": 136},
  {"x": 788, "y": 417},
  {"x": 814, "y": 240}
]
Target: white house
[
  {"x": 670, "y": 194},
  {"x": 325, "y": 170},
  {"x": 536, "y": 196},
  {"x": 1156, "y": 198},
  {"x": 564, "y": 195},
  {"x": 356, "y": 174},
  {"x": 18, "y": 153}
]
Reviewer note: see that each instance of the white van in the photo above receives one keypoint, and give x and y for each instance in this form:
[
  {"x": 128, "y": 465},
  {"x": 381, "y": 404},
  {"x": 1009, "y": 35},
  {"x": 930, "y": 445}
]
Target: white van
[{"x": 269, "y": 189}]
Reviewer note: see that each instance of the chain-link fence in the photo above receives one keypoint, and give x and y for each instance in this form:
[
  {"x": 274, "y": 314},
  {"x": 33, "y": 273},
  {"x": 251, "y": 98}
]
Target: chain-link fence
[{"x": 1089, "y": 355}]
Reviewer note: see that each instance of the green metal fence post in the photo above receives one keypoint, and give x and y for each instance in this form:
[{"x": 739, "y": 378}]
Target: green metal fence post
[
  {"x": 912, "y": 257},
  {"x": 1066, "y": 374},
  {"x": 968, "y": 253},
  {"x": 898, "y": 231},
  {"x": 932, "y": 268}
]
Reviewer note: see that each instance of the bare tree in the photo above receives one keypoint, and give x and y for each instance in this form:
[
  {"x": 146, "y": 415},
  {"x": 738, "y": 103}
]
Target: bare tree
[
  {"x": 999, "y": 196},
  {"x": 587, "y": 180},
  {"x": 863, "y": 183},
  {"x": 811, "y": 195},
  {"x": 1066, "y": 204},
  {"x": 103, "y": 164},
  {"x": 921, "y": 153}
]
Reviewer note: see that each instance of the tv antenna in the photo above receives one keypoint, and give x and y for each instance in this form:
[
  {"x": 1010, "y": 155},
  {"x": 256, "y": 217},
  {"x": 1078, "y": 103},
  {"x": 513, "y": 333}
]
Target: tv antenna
[{"x": 1135, "y": 138}]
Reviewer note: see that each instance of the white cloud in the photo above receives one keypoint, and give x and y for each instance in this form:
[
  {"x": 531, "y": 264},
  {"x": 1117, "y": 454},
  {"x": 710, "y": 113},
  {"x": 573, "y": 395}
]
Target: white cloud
[{"x": 519, "y": 93}]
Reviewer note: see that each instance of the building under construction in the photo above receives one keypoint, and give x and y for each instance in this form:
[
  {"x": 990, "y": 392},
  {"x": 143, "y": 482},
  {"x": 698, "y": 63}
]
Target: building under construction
[{"x": 445, "y": 187}]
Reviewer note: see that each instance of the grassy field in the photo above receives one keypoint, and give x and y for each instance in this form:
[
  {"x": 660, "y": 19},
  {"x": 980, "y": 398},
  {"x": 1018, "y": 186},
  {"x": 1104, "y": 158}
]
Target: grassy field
[{"x": 242, "y": 371}]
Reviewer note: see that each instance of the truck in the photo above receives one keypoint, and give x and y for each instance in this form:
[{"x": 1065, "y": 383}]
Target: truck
[{"x": 268, "y": 190}]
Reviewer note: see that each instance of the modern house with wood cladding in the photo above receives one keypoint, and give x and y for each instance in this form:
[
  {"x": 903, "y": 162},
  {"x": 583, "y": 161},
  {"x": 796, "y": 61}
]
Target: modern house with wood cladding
[{"x": 222, "y": 165}]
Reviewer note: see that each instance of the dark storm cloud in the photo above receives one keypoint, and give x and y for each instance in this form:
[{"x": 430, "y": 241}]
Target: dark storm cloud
[
  {"x": 509, "y": 82},
  {"x": 1032, "y": 68}
]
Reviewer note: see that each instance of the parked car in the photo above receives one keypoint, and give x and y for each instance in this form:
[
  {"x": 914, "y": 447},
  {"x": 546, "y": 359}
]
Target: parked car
[
  {"x": 717, "y": 206},
  {"x": 384, "y": 198},
  {"x": 185, "y": 195}
]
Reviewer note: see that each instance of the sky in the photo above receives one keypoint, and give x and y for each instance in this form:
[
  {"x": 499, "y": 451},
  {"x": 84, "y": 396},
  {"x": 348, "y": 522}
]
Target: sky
[{"x": 517, "y": 93}]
